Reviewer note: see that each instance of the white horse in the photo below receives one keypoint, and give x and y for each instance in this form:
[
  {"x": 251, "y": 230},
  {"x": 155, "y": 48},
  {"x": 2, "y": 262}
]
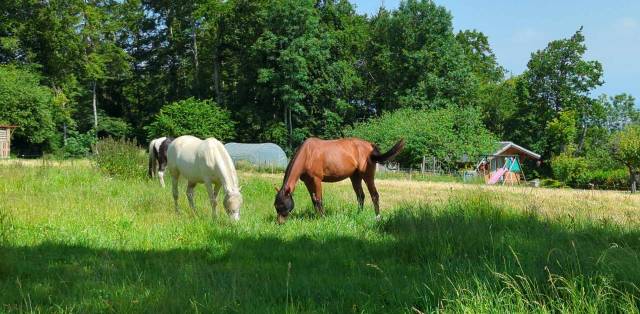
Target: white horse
[
  {"x": 204, "y": 161},
  {"x": 154, "y": 150}
]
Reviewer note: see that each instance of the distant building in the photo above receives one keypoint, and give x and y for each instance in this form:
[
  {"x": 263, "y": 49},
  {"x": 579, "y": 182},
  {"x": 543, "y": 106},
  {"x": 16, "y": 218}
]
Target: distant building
[
  {"x": 505, "y": 164},
  {"x": 5, "y": 140}
]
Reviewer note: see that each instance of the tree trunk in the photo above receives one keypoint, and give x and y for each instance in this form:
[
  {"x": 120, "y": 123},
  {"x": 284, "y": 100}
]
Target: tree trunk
[
  {"x": 290, "y": 129},
  {"x": 95, "y": 108},
  {"x": 216, "y": 78},
  {"x": 286, "y": 123},
  {"x": 582, "y": 138},
  {"x": 196, "y": 72},
  {"x": 633, "y": 178}
]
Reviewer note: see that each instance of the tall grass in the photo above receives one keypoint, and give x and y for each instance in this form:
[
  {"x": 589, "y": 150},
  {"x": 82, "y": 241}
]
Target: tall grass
[
  {"x": 81, "y": 242},
  {"x": 120, "y": 158}
]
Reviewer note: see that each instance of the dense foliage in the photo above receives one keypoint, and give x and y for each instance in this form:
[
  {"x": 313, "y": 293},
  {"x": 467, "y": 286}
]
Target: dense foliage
[
  {"x": 449, "y": 134},
  {"x": 285, "y": 70},
  {"x": 26, "y": 103},
  {"x": 626, "y": 148},
  {"x": 202, "y": 119}
]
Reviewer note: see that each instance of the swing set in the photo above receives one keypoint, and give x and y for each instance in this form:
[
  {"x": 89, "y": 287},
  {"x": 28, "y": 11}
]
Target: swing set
[{"x": 503, "y": 169}]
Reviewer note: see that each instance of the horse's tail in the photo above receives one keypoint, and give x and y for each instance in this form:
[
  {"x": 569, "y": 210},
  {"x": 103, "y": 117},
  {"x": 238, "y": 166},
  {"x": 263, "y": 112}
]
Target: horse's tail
[
  {"x": 393, "y": 152},
  {"x": 152, "y": 159}
]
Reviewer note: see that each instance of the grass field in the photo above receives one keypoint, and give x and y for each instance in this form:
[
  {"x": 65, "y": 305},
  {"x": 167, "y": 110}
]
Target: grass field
[{"x": 73, "y": 240}]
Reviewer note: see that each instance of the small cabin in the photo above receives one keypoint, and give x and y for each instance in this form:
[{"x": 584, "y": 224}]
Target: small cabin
[
  {"x": 5, "y": 140},
  {"x": 505, "y": 164}
]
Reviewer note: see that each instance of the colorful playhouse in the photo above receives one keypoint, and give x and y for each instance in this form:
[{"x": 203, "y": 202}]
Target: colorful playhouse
[{"x": 504, "y": 166}]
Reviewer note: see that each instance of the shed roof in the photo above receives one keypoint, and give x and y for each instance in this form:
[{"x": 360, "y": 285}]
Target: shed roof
[
  {"x": 504, "y": 146},
  {"x": 6, "y": 126}
]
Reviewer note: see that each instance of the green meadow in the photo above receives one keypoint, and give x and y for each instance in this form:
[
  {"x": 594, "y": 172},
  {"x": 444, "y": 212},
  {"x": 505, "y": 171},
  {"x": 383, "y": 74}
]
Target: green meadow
[{"x": 73, "y": 240}]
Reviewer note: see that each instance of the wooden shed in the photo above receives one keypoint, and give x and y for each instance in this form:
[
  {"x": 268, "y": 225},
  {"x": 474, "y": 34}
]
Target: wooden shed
[
  {"x": 505, "y": 164},
  {"x": 5, "y": 140}
]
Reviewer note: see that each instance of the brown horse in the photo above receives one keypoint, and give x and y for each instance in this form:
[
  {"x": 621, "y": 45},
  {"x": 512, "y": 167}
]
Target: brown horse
[{"x": 318, "y": 161}]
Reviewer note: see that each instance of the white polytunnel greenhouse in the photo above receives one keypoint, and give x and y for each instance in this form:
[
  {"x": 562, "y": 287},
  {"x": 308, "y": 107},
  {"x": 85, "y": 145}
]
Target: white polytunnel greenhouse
[{"x": 263, "y": 154}]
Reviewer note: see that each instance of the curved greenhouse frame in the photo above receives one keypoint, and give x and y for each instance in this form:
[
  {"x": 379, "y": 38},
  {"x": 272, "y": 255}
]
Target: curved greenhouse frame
[{"x": 261, "y": 155}]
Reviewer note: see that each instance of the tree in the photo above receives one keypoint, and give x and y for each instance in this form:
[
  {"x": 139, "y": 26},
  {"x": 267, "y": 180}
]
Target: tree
[
  {"x": 619, "y": 111},
  {"x": 414, "y": 60},
  {"x": 200, "y": 118},
  {"x": 625, "y": 147},
  {"x": 557, "y": 79},
  {"x": 480, "y": 56},
  {"x": 561, "y": 131},
  {"x": 29, "y": 105}
]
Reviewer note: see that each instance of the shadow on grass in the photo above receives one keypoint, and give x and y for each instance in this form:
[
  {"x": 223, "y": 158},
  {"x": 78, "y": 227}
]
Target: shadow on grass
[{"x": 423, "y": 259}]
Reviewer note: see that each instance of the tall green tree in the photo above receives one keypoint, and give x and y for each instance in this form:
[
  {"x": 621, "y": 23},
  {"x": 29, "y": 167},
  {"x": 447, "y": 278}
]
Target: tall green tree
[
  {"x": 414, "y": 59},
  {"x": 480, "y": 56},
  {"x": 557, "y": 79}
]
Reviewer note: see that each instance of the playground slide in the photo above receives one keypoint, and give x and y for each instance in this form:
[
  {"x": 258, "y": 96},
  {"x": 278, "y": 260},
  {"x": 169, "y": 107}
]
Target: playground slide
[{"x": 497, "y": 175}]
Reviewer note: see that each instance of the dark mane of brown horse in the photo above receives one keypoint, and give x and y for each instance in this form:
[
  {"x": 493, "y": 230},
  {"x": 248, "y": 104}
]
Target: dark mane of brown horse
[{"x": 287, "y": 172}]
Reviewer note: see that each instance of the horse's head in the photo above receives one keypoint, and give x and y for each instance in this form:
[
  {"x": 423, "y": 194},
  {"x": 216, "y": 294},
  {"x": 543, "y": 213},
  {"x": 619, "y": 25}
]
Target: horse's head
[
  {"x": 284, "y": 204},
  {"x": 232, "y": 203}
]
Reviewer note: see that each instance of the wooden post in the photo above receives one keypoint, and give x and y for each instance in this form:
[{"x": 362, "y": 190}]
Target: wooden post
[{"x": 434, "y": 165}]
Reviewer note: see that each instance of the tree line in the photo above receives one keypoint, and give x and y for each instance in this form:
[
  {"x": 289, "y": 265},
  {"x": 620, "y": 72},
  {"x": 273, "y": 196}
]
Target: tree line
[{"x": 284, "y": 70}]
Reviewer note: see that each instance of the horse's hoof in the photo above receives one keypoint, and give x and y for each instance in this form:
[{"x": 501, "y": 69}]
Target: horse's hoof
[{"x": 378, "y": 217}]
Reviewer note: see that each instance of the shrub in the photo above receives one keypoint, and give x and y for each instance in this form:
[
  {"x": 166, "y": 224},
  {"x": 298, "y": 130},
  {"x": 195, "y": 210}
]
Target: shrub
[
  {"x": 568, "y": 168},
  {"x": 577, "y": 173},
  {"x": 615, "y": 179},
  {"x": 114, "y": 127},
  {"x": 447, "y": 134},
  {"x": 551, "y": 183},
  {"x": 78, "y": 144},
  {"x": 200, "y": 118},
  {"x": 120, "y": 158}
]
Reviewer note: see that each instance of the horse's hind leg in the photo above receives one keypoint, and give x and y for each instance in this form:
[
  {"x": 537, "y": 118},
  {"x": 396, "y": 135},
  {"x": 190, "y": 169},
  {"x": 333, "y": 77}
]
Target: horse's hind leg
[
  {"x": 375, "y": 197},
  {"x": 163, "y": 165},
  {"x": 174, "y": 190},
  {"x": 356, "y": 182},
  {"x": 190, "y": 187}
]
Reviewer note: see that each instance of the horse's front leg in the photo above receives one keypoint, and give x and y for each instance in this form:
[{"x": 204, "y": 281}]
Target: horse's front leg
[
  {"x": 317, "y": 196},
  {"x": 213, "y": 197},
  {"x": 314, "y": 186},
  {"x": 190, "y": 187}
]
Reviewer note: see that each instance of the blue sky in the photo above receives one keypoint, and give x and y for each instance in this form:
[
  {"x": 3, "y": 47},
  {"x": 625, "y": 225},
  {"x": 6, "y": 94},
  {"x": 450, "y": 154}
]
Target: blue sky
[{"x": 518, "y": 28}]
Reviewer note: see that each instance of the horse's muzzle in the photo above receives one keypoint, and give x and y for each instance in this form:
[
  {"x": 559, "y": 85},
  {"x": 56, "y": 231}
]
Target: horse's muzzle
[{"x": 281, "y": 218}]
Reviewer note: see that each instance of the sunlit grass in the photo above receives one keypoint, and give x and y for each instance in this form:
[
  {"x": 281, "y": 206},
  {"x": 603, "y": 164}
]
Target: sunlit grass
[{"x": 73, "y": 240}]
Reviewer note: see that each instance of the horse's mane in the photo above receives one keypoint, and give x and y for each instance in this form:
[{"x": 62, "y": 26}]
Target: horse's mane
[
  {"x": 287, "y": 172},
  {"x": 226, "y": 159}
]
